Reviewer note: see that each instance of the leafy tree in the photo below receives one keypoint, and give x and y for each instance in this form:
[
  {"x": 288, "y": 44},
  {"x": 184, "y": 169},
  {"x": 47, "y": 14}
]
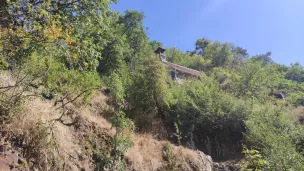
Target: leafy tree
[
  {"x": 148, "y": 90},
  {"x": 295, "y": 73},
  {"x": 135, "y": 34},
  {"x": 239, "y": 56},
  {"x": 200, "y": 45},
  {"x": 269, "y": 132},
  {"x": 254, "y": 79},
  {"x": 219, "y": 54},
  {"x": 155, "y": 44},
  {"x": 265, "y": 59},
  {"x": 73, "y": 47},
  {"x": 195, "y": 61},
  {"x": 203, "y": 111}
]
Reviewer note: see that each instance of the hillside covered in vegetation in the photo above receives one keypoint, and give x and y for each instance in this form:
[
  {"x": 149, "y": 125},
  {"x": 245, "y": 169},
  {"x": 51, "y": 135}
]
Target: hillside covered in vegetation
[{"x": 81, "y": 88}]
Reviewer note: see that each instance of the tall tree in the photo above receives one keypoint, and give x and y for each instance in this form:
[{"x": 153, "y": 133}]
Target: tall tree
[
  {"x": 218, "y": 53},
  {"x": 295, "y": 73},
  {"x": 79, "y": 28},
  {"x": 265, "y": 59},
  {"x": 254, "y": 77},
  {"x": 135, "y": 34},
  {"x": 200, "y": 45},
  {"x": 239, "y": 56}
]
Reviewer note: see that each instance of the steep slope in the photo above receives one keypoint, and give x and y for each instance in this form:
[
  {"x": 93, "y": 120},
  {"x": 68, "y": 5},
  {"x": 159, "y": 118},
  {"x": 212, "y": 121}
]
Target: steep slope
[
  {"x": 150, "y": 154},
  {"x": 49, "y": 138}
]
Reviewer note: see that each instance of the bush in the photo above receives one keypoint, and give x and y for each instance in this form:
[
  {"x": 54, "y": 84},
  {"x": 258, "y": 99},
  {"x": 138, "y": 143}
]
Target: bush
[
  {"x": 269, "y": 132},
  {"x": 203, "y": 111},
  {"x": 57, "y": 79},
  {"x": 108, "y": 152},
  {"x": 195, "y": 62},
  {"x": 36, "y": 143},
  {"x": 9, "y": 106},
  {"x": 3, "y": 64}
]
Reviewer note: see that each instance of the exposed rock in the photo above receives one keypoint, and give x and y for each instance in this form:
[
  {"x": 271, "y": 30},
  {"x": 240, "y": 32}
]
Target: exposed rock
[{"x": 226, "y": 166}]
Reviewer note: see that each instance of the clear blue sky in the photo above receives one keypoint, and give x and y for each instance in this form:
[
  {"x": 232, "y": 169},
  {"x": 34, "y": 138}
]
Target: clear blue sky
[{"x": 257, "y": 25}]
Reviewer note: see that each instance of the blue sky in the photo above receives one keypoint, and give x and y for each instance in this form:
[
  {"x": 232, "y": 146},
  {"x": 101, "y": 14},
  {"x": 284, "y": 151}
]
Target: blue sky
[{"x": 257, "y": 25}]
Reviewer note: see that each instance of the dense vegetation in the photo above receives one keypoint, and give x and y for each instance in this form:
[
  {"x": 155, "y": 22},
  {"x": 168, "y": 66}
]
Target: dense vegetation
[{"x": 73, "y": 48}]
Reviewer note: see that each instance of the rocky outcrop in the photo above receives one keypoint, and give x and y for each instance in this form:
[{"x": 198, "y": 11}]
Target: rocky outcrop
[{"x": 226, "y": 166}]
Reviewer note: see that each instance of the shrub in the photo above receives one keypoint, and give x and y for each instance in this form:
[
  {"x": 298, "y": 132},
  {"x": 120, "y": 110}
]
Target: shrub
[
  {"x": 108, "y": 152},
  {"x": 57, "y": 79},
  {"x": 204, "y": 111},
  {"x": 269, "y": 132}
]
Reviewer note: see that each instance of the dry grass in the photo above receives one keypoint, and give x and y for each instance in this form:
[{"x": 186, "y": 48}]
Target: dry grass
[
  {"x": 149, "y": 124},
  {"x": 297, "y": 114},
  {"x": 192, "y": 160},
  {"x": 38, "y": 111},
  {"x": 6, "y": 79},
  {"x": 147, "y": 154},
  {"x": 65, "y": 144},
  {"x": 68, "y": 140}
]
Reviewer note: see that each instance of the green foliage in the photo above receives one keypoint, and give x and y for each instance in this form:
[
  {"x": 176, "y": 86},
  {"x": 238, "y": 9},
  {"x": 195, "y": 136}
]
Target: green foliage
[
  {"x": 254, "y": 160},
  {"x": 125, "y": 129},
  {"x": 167, "y": 152},
  {"x": 110, "y": 156},
  {"x": 57, "y": 79},
  {"x": 3, "y": 64},
  {"x": 296, "y": 97},
  {"x": 219, "y": 54},
  {"x": 264, "y": 59},
  {"x": 239, "y": 54},
  {"x": 177, "y": 134},
  {"x": 200, "y": 45},
  {"x": 195, "y": 61},
  {"x": 117, "y": 85},
  {"x": 269, "y": 132},
  {"x": 74, "y": 47},
  {"x": 9, "y": 106},
  {"x": 293, "y": 90},
  {"x": 208, "y": 55},
  {"x": 155, "y": 44},
  {"x": 148, "y": 89},
  {"x": 173, "y": 162},
  {"x": 253, "y": 78},
  {"x": 295, "y": 73},
  {"x": 226, "y": 78},
  {"x": 202, "y": 109}
]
